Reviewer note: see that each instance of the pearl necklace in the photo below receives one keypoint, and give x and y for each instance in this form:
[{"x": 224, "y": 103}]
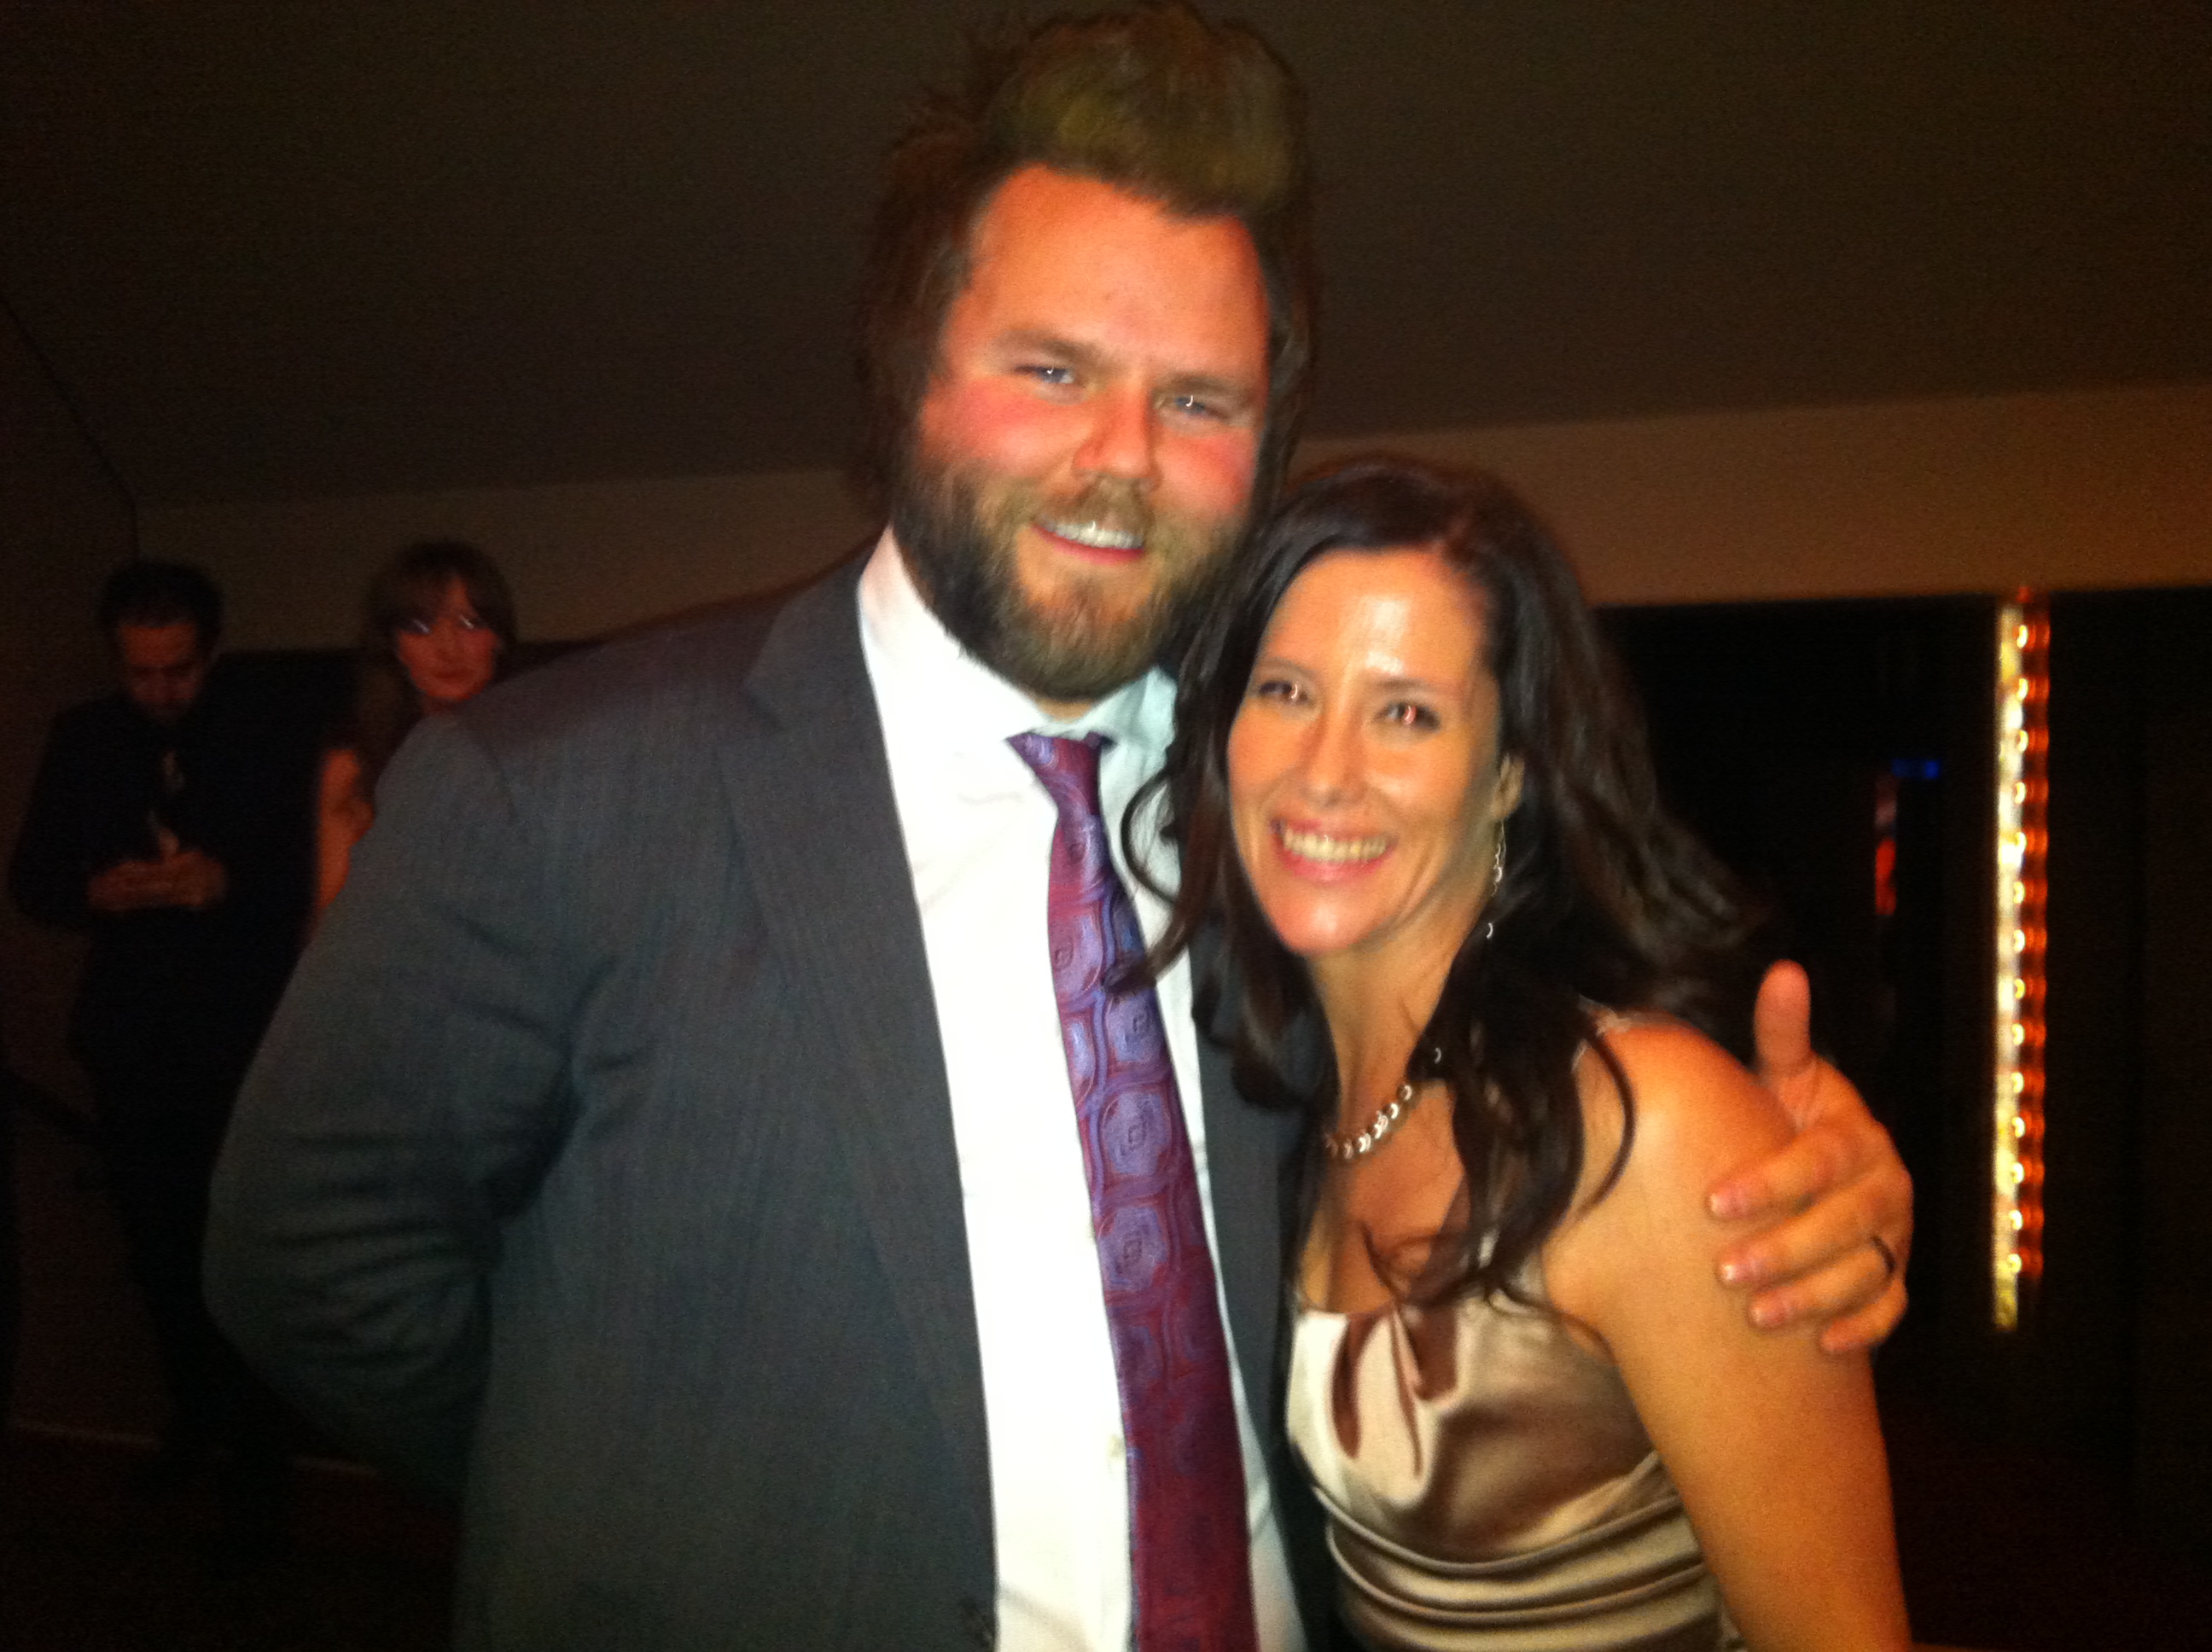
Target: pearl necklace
[{"x": 1344, "y": 1149}]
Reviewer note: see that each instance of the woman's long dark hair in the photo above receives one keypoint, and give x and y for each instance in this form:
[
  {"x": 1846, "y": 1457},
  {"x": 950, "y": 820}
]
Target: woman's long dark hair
[
  {"x": 1605, "y": 901},
  {"x": 411, "y": 587}
]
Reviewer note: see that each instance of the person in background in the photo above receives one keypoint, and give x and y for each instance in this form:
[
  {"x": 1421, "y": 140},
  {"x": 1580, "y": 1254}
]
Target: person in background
[
  {"x": 161, "y": 825},
  {"x": 437, "y": 629}
]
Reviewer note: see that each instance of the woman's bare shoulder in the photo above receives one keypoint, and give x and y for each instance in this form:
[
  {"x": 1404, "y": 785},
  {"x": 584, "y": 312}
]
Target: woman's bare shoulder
[
  {"x": 341, "y": 793},
  {"x": 341, "y": 769},
  {"x": 1640, "y": 1221},
  {"x": 1698, "y": 1113},
  {"x": 1640, "y": 1228}
]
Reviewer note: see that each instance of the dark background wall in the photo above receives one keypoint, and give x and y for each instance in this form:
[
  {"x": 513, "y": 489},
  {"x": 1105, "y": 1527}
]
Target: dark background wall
[
  {"x": 1775, "y": 729},
  {"x": 2131, "y": 1044},
  {"x": 63, "y": 523}
]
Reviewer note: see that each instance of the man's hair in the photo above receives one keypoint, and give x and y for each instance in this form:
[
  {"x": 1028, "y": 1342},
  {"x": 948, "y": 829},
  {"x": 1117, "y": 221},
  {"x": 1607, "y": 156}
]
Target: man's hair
[
  {"x": 1200, "y": 117},
  {"x": 162, "y": 593}
]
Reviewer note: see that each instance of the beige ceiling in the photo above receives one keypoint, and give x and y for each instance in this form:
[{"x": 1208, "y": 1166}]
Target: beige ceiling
[{"x": 276, "y": 251}]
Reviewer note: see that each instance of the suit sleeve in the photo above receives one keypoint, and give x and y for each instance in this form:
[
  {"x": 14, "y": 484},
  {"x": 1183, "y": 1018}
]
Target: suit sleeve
[
  {"x": 47, "y": 874},
  {"x": 405, "y": 1103}
]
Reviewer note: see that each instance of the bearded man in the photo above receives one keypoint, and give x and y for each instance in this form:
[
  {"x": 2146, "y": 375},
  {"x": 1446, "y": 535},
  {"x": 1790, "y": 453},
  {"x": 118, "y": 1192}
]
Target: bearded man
[{"x": 680, "y": 1141}]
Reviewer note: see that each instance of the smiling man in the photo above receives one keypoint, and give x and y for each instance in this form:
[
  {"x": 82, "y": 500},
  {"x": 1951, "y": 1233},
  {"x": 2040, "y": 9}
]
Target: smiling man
[
  {"x": 1084, "y": 459},
  {"x": 710, "y": 1133}
]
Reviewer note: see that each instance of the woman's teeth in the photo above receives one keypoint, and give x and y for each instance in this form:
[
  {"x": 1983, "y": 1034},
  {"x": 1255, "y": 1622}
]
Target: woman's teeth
[{"x": 1321, "y": 845}]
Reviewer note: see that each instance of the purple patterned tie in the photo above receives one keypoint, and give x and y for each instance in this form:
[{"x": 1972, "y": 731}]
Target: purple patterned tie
[{"x": 1189, "y": 1546}]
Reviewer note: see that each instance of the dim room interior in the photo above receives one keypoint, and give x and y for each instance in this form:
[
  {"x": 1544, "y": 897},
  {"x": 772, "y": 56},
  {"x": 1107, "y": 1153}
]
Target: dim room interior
[{"x": 1859, "y": 356}]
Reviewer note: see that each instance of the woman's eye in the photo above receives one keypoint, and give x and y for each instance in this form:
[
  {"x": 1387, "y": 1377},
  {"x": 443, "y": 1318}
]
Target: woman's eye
[
  {"x": 1194, "y": 407},
  {"x": 468, "y": 622},
  {"x": 1277, "y": 688},
  {"x": 1405, "y": 713},
  {"x": 1048, "y": 373},
  {"x": 416, "y": 627}
]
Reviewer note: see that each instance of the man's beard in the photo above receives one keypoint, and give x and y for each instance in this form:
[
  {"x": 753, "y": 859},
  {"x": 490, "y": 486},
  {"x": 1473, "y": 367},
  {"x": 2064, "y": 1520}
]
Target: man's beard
[{"x": 958, "y": 527}]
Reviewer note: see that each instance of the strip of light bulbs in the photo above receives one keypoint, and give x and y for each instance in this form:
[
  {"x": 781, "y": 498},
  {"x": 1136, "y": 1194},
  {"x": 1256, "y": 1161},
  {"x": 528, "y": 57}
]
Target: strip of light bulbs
[{"x": 2022, "y": 843}]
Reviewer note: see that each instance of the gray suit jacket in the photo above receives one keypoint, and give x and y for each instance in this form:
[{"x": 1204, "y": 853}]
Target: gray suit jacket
[{"x": 600, "y": 1164}]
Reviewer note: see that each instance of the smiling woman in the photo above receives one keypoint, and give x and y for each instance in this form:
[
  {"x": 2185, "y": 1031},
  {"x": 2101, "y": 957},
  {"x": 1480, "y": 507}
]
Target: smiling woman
[
  {"x": 1366, "y": 783},
  {"x": 1405, "y": 784}
]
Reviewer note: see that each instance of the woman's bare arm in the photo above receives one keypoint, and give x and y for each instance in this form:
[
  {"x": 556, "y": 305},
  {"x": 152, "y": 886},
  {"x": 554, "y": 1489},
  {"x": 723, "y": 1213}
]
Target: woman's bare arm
[
  {"x": 342, "y": 814},
  {"x": 1774, "y": 1445}
]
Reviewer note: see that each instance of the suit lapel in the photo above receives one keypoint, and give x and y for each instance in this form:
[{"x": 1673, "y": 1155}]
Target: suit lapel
[
  {"x": 1245, "y": 1149},
  {"x": 1248, "y": 1157},
  {"x": 803, "y": 771},
  {"x": 810, "y": 793}
]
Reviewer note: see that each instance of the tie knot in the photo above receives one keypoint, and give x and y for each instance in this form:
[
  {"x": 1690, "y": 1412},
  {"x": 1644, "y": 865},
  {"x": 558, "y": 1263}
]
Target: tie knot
[{"x": 1068, "y": 769}]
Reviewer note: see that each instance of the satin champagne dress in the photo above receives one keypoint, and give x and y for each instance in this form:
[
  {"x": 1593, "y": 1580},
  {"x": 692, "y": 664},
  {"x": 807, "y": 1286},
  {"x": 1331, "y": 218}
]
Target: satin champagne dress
[{"x": 1488, "y": 1486}]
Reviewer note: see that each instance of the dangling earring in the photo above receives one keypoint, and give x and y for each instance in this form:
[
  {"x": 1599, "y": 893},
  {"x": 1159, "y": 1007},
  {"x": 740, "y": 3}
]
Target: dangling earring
[{"x": 1497, "y": 878}]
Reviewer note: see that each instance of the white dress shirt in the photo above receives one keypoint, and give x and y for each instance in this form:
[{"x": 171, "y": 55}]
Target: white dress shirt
[{"x": 978, "y": 827}]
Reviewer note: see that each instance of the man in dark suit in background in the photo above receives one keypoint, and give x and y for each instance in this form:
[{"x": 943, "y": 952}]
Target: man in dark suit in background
[
  {"x": 678, "y": 1142},
  {"x": 161, "y": 825}
]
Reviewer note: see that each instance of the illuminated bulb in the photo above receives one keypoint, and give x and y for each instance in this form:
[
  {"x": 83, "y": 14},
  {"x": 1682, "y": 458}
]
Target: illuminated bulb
[{"x": 2023, "y": 693}]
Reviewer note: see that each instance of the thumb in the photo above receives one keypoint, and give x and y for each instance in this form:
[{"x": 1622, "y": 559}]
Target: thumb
[{"x": 1782, "y": 1022}]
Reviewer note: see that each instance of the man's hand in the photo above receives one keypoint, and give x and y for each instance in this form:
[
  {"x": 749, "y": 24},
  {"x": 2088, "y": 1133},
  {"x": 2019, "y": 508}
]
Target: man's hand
[
  {"x": 194, "y": 879},
  {"x": 126, "y": 886},
  {"x": 1829, "y": 1195},
  {"x": 191, "y": 879}
]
